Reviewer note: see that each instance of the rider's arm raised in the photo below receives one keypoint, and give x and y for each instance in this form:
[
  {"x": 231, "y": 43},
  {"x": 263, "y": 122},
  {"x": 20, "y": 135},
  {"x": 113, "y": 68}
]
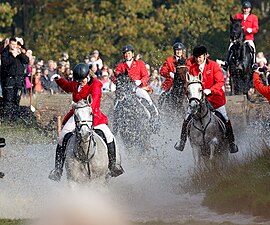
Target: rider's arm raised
[{"x": 67, "y": 86}]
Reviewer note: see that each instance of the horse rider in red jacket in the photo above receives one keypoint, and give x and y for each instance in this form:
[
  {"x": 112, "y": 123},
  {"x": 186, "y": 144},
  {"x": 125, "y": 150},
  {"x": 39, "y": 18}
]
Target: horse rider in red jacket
[
  {"x": 81, "y": 87},
  {"x": 139, "y": 74},
  {"x": 249, "y": 25},
  {"x": 213, "y": 88},
  {"x": 260, "y": 86},
  {"x": 168, "y": 68}
]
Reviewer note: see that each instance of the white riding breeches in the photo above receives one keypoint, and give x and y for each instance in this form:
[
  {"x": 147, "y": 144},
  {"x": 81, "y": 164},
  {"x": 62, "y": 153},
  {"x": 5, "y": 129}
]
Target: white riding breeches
[
  {"x": 249, "y": 41},
  {"x": 251, "y": 44},
  {"x": 107, "y": 132},
  {"x": 223, "y": 111},
  {"x": 70, "y": 127},
  {"x": 141, "y": 93}
]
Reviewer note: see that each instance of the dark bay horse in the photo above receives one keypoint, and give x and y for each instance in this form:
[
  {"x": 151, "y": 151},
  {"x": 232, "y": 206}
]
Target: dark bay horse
[
  {"x": 173, "y": 98},
  {"x": 131, "y": 117},
  {"x": 240, "y": 60}
]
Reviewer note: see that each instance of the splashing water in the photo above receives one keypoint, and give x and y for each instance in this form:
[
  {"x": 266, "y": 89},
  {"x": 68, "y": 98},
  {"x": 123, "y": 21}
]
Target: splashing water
[{"x": 149, "y": 190}]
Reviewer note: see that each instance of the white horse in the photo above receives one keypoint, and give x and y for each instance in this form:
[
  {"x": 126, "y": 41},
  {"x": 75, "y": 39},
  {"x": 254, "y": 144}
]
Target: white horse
[
  {"x": 86, "y": 152},
  {"x": 206, "y": 131}
]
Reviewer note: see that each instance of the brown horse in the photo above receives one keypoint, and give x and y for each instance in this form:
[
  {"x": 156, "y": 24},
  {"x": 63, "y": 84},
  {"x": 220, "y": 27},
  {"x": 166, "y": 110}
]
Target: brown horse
[{"x": 174, "y": 98}]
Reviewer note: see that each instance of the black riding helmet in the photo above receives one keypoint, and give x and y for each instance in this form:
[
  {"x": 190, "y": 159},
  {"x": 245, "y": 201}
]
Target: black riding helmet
[
  {"x": 199, "y": 50},
  {"x": 178, "y": 45},
  {"x": 246, "y": 4},
  {"x": 127, "y": 48},
  {"x": 80, "y": 71}
]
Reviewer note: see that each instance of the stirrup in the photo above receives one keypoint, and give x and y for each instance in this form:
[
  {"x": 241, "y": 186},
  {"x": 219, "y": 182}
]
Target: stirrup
[
  {"x": 180, "y": 145},
  {"x": 55, "y": 175},
  {"x": 116, "y": 170}
]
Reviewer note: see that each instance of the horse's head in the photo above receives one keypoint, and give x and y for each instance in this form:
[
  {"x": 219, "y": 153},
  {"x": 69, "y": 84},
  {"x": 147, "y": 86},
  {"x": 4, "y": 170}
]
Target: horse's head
[
  {"x": 124, "y": 85},
  {"x": 236, "y": 31},
  {"x": 194, "y": 92},
  {"x": 181, "y": 69},
  {"x": 83, "y": 118}
]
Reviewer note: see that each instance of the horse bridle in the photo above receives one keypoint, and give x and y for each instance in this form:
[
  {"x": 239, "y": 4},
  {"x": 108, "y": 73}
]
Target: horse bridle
[{"x": 84, "y": 159}]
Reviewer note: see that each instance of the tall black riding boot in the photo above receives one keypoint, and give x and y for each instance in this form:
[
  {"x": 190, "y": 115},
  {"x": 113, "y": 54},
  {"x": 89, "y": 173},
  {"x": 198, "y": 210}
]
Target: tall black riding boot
[
  {"x": 230, "y": 136},
  {"x": 180, "y": 145},
  {"x": 56, "y": 173},
  {"x": 115, "y": 169}
]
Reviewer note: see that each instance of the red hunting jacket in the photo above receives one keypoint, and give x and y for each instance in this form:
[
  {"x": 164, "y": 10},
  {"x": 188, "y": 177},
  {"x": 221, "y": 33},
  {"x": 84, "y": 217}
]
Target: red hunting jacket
[
  {"x": 137, "y": 71},
  {"x": 213, "y": 79},
  {"x": 264, "y": 90},
  {"x": 250, "y": 22},
  {"x": 167, "y": 67},
  {"x": 92, "y": 88}
]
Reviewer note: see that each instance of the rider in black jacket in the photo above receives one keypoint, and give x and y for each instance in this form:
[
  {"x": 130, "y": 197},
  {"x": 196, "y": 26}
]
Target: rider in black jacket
[{"x": 13, "y": 59}]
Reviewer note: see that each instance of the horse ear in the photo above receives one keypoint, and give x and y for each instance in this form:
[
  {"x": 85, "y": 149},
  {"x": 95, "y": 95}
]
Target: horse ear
[
  {"x": 200, "y": 76},
  {"x": 187, "y": 77},
  {"x": 231, "y": 18}
]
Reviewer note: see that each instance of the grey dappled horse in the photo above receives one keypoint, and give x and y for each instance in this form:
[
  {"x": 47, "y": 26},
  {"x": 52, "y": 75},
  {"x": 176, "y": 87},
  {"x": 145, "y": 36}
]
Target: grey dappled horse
[
  {"x": 86, "y": 152},
  {"x": 206, "y": 131}
]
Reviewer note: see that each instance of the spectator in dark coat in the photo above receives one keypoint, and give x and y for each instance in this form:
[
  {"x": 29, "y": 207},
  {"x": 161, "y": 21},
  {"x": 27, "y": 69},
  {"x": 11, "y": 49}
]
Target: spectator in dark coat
[{"x": 13, "y": 76}]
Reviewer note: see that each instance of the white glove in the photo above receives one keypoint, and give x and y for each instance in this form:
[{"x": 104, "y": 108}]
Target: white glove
[
  {"x": 249, "y": 30},
  {"x": 55, "y": 76},
  {"x": 138, "y": 82},
  {"x": 207, "y": 92},
  {"x": 172, "y": 75}
]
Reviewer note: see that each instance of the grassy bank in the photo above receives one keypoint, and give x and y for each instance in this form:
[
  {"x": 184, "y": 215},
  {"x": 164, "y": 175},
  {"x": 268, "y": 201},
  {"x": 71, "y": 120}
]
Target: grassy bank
[
  {"x": 11, "y": 222},
  {"x": 20, "y": 132},
  {"x": 243, "y": 187}
]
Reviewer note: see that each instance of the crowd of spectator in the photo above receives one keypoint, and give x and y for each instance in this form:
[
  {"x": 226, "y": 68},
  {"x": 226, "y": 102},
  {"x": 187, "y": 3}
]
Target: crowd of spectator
[{"x": 39, "y": 71}]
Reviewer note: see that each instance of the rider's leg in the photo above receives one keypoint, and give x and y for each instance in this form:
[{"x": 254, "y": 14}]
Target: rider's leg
[
  {"x": 114, "y": 157},
  {"x": 151, "y": 106},
  {"x": 252, "y": 45},
  {"x": 180, "y": 145},
  {"x": 229, "y": 129},
  {"x": 56, "y": 173},
  {"x": 152, "y": 109}
]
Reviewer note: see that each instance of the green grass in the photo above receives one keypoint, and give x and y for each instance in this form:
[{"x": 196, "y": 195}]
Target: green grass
[
  {"x": 11, "y": 222},
  {"x": 242, "y": 187},
  {"x": 22, "y": 133}
]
